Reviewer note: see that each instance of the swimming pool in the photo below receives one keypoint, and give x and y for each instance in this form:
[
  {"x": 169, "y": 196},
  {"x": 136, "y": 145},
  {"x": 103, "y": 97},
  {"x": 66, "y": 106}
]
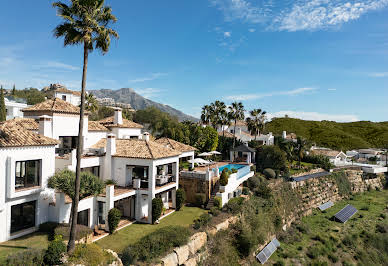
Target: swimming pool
[{"x": 231, "y": 166}]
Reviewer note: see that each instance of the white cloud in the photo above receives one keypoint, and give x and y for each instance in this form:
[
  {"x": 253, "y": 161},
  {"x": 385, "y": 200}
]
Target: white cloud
[
  {"x": 153, "y": 76},
  {"x": 378, "y": 74},
  {"x": 254, "y": 96},
  {"x": 318, "y": 14},
  {"x": 315, "y": 116},
  {"x": 227, "y": 34},
  {"x": 252, "y": 30},
  {"x": 149, "y": 92},
  {"x": 56, "y": 65},
  {"x": 310, "y": 15}
]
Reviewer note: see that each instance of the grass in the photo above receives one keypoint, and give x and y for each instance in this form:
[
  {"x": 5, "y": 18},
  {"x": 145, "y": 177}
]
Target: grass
[
  {"x": 129, "y": 235},
  {"x": 35, "y": 240},
  {"x": 318, "y": 238}
]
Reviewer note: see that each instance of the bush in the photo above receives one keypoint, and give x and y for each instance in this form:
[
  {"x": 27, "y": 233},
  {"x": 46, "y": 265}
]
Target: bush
[
  {"x": 218, "y": 202},
  {"x": 49, "y": 228},
  {"x": 114, "y": 216},
  {"x": 343, "y": 183},
  {"x": 30, "y": 257},
  {"x": 263, "y": 191},
  {"x": 203, "y": 220},
  {"x": 180, "y": 198},
  {"x": 245, "y": 191},
  {"x": 234, "y": 205},
  {"x": 253, "y": 182},
  {"x": 215, "y": 211},
  {"x": 270, "y": 157},
  {"x": 110, "y": 182},
  {"x": 81, "y": 232},
  {"x": 55, "y": 251},
  {"x": 200, "y": 199},
  {"x": 224, "y": 177},
  {"x": 155, "y": 244},
  {"x": 157, "y": 207},
  {"x": 91, "y": 255},
  {"x": 234, "y": 171},
  {"x": 269, "y": 173}
]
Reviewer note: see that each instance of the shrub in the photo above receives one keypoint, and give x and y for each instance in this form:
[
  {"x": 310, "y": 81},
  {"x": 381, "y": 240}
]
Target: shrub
[
  {"x": 253, "y": 182},
  {"x": 55, "y": 251},
  {"x": 269, "y": 173},
  {"x": 234, "y": 171},
  {"x": 263, "y": 191},
  {"x": 91, "y": 255},
  {"x": 218, "y": 202},
  {"x": 155, "y": 244},
  {"x": 200, "y": 199},
  {"x": 110, "y": 182},
  {"x": 277, "y": 221},
  {"x": 30, "y": 257},
  {"x": 343, "y": 183},
  {"x": 180, "y": 198},
  {"x": 224, "y": 177},
  {"x": 49, "y": 228},
  {"x": 234, "y": 205},
  {"x": 215, "y": 211},
  {"x": 114, "y": 216},
  {"x": 157, "y": 207},
  {"x": 203, "y": 220},
  {"x": 81, "y": 232},
  {"x": 245, "y": 191}
]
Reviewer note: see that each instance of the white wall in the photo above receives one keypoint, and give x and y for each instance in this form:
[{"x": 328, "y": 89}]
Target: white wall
[
  {"x": 125, "y": 133},
  {"x": 14, "y": 109},
  {"x": 92, "y": 137},
  {"x": 71, "y": 98},
  {"x": 10, "y": 197}
]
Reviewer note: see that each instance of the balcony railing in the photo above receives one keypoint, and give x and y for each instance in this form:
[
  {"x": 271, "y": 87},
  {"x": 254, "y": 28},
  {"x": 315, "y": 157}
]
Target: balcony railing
[{"x": 162, "y": 180}]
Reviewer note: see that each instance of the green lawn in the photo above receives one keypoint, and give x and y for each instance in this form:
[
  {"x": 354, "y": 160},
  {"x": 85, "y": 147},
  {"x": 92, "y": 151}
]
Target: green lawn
[
  {"x": 319, "y": 238},
  {"x": 36, "y": 240},
  {"x": 129, "y": 235}
]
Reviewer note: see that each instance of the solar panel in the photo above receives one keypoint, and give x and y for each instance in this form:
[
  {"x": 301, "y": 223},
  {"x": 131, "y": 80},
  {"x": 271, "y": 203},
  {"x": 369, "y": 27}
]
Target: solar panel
[
  {"x": 264, "y": 255},
  {"x": 316, "y": 175},
  {"x": 345, "y": 214},
  {"x": 326, "y": 205}
]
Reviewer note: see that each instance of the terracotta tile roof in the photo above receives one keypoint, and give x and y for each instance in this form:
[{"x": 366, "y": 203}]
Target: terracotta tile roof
[
  {"x": 55, "y": 105},
  {"x": 26, "y": 123},
  {"x": 227, "y": 134},
  {"x": 175, "y": 145},
  {"x": 239, "y": 123},
  {"x": 138, "y": 148},
  {"x": 65, "y": 90},
  {"x": 96, "y": 126},
  {"x": 108, "y": 122},
  {"x": 12, "y": 135},
  {"x": 325, "y": 152}
]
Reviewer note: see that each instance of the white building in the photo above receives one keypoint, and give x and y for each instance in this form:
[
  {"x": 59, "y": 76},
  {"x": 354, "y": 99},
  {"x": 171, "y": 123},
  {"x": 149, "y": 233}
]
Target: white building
[
  {"x": 14, "y": 108},
  {"x": 26, "y": 161},
  {"x": 337, "y": 158},
  {"x": 73, "y": 97}
]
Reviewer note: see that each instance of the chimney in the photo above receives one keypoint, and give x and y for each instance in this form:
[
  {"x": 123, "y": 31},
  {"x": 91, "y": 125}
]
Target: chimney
[
  {"x": 284, "y": 135},
  {"x": 45, "y": 126},
  {"x": 111, "y": 145},
  {"x": 239, "y": 130},
  {"x": 146, "y": 136},
  {"x": 246, "y": 143},
  {"x": 118, "y": 117}
]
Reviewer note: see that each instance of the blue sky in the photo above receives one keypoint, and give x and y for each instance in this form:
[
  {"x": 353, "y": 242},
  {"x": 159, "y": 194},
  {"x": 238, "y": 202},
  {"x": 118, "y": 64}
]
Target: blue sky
[{"x": 315, "y": 59}]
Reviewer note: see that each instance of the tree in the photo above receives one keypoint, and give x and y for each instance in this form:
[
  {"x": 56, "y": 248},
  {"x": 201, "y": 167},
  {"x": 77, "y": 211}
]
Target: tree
[
  {"x": 157, "y": 208},
  {"x": 270, "y": 157},
  {"x": 256, "y": 121},
  {"x": 85, "y": 23},
  {"x": 3, "y": 112},
  {"x": 114, "y": 216},
  {"x": 301, "y": 145},
  {"x": 180, "y": 198},
  {"x": 13, "y": 90},
  {"x": 91, "y": 103},
  {"x": 206, "y": 114},
  {"x": 236, "y": 112},
  {"x": 217, "y": 110}
]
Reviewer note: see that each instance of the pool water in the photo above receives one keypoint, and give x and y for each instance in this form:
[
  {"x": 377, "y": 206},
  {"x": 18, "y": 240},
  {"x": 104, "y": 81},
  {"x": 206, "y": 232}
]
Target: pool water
[{"x": 231, "y": 166}]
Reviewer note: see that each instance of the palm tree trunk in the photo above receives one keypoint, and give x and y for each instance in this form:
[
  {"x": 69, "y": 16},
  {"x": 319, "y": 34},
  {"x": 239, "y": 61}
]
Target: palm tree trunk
[
  {"x": 234, "y": 133},
  {"x": 74, "y": 207}
]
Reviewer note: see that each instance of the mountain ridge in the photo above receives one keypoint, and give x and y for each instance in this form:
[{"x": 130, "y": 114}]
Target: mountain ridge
[{"x": 138, "y": 102}]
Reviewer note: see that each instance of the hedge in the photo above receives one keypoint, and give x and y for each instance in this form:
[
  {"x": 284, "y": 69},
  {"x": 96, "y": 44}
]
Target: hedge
[
  {"x": 155, "y": 244},
  {"x": 157, "y": 208},
  {"x": 218, "y": 202},
  {"x": 114, "y": 216},
  {"x": 200, "y": 199},
  {"x": 180, "y": 198},
  {"x": 55, "y": 251},
  {"x": 82, "y": 231},
  {"x": 30, "y": 257}
]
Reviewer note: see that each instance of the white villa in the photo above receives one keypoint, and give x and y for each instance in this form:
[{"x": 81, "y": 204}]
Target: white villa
[
  {"x": 14, "y": 108},
  {"x": 337, "y": 158},
  {"x": 73, "y": 97}
]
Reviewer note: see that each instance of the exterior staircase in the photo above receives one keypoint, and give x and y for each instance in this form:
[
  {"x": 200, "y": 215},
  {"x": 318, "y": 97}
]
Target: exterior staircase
[{"x": 210, "y": 203}]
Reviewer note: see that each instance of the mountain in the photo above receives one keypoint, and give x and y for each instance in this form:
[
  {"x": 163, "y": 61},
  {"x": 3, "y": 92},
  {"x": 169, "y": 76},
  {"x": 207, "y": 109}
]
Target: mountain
[
  {"x": 138, "y": 102},
  {"x": 341, "y": 136}
]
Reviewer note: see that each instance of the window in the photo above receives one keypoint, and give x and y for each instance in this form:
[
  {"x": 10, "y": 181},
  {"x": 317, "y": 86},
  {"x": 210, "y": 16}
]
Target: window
[
  {"x": 95, "y": 170},
  {"x": 101, "y": 212},
  {"x": 27, "y": 174},
  {"x": 23, "y": 216},
  {"x": 64, "y": 97},
  {"x": 83, "y": 217}
]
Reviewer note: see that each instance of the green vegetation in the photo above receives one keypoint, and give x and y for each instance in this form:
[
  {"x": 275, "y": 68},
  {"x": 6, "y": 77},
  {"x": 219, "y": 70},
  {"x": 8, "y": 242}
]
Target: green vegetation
[
  {"x": 3, "y": 113},
  {"x": 31, "y": 95},
  {"x": 203, "y": 220},
  {"x": 363, "y": 240},
  {"x": 180, "y": 198},
  {"x": 132, "y": 234},
  {"x": 271, "y": 157},
  {"x": 114, "y": 216},
  {"x": 341, "y": 136},
  {"x": 155, "y": 244},
  {"x": 55, "y": 251},
  {"x": 200, "y": 199},
  {"x": 224, "y": 177},
  {"x": 30, "y": 257},
  {"x": 64, "y": 231},
  {"x": 157, "y": 208},
  {"x": 217, "y": 202},
  {"x": 91, "y": 255},
  {"x": 343, "y": 183}
]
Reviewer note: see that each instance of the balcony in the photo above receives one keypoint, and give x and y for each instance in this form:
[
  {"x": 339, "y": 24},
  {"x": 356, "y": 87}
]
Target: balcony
[{"x": 162, "y": 180}]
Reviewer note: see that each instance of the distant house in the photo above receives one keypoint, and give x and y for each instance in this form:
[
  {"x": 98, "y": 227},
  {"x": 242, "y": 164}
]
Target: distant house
[
  {"x": 61, "y": 92},
  {"x": 14, "y": 106},
  {"x": 338, "y": 158}
]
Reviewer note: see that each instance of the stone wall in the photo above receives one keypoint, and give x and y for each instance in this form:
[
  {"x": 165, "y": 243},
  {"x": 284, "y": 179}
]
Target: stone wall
[
  {"x": 362, "y": 181},
  {"x": 194, "y": 185}
]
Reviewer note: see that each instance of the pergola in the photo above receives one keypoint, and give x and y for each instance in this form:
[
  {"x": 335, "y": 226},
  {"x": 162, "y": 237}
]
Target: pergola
[{"x": 242, "y": 153}]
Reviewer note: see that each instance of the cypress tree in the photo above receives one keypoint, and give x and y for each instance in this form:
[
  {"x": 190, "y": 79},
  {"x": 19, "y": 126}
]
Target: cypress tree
[
  {"x": 3, "y": 113},
  {"x": 13, "y": 90}
]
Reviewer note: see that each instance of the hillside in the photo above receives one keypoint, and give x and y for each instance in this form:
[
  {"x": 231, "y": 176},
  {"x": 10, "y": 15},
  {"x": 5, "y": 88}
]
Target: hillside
[
  {"x": 342, "y": 136},
  {"x": 138, "y": 102}
]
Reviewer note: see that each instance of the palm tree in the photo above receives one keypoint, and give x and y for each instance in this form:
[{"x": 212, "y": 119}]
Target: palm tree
[
  {"x": 206, "y": 114},
  {"x": 218, "y": 109},
  {"x": 236, "y": 112},
  {"x": 85, "y": 23},
  {"x": 225, "y": 120},
  {"x": 3, "y": 112},
  {"x": 256, "y": 121},
  {"x": 301, "y": 148},
  {"x": 91, "y": 103}
]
